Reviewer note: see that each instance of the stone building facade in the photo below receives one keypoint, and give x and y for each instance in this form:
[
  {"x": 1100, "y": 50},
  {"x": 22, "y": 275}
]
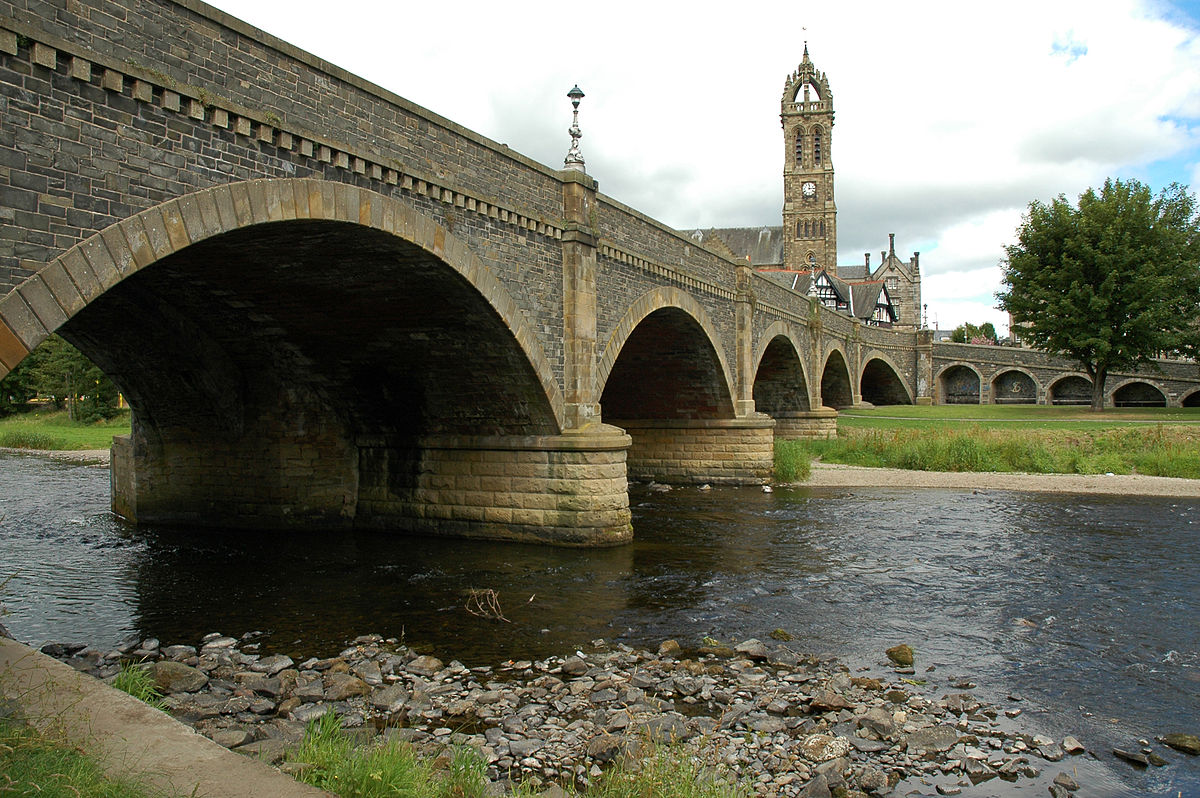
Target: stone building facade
[{"x": 806, "y": 242}]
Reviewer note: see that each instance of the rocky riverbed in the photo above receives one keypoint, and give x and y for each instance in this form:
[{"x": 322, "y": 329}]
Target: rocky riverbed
[{"x": 779, "y": 721}]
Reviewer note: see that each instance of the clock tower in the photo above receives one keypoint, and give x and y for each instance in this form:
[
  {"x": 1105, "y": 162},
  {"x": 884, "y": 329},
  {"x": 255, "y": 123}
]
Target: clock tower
[{"x": 809, "y": 212}]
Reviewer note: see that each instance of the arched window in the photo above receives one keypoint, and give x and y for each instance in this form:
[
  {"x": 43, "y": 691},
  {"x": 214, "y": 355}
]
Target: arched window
[
  {"x": 807, "y": 229},
  {"x": 799, "y": 146},
  {"x": 822, "y": 228},
  {"x": 799, "y": 229},
  {"x": 817, "y": 146}
]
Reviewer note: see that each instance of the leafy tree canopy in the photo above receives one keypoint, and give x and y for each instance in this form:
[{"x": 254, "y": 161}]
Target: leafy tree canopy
[
  {"x": 1111, "y": 282},
  {"x": 61, "y": 373},
  {"x": 970, "y": 334}
]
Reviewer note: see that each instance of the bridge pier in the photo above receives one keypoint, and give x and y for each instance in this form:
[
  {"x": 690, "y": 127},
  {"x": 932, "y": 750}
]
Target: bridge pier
[
  {"x": 819, "y": 424},
  {"x": 563, "y": 489},
  {"x": 737, "y": 451}
]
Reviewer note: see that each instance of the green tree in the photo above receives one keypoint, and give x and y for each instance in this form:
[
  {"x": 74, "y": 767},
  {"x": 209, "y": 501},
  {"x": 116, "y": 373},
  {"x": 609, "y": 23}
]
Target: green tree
[
  {"x": 970, "y": 334},
  {"x": 61, "y": 373},
  {"x": 1111, "y": 283}
]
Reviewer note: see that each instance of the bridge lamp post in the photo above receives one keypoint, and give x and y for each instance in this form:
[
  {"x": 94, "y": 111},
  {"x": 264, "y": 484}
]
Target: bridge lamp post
[{"x": 574, "y": 158}]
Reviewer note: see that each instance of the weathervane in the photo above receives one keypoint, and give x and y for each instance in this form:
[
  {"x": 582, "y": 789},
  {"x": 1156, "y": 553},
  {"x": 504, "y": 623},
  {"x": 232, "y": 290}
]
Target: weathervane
[{"x": 574, "y": 156}]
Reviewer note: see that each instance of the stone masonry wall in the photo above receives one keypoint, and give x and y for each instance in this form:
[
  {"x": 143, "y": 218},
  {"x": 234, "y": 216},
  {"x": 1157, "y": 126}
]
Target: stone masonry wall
[
  {"x": 718, "y": 452},
  {"x": 113, "y": 108},
  {"x": 1177, "y": 378},
  {"x": 534, "y": 489}
]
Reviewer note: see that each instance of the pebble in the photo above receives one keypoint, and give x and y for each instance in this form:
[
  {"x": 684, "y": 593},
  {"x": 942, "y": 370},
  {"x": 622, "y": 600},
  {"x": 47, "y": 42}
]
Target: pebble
[{"x": 780, "y": 721}]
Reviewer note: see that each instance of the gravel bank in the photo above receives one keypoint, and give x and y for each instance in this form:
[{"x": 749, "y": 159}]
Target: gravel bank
[
  {"x": 778, "y": 721},
  {"x": 829, "y": 475}
]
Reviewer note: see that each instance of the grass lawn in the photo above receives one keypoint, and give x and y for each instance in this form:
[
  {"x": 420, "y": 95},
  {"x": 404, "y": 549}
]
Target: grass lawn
[
  {"x": 52, "y": 429},
  {"x": 32, "y": 763},
  {"x": 1013, "y": 416},
  {"x": 1014, "y": 438}
]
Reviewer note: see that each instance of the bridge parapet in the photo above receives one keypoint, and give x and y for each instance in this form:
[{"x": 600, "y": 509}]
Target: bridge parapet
[{"x": 170, "y": 124}]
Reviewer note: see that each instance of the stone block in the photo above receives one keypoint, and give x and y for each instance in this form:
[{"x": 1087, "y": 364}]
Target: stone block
[
  {"x": 44, "y": 55},
  {"x": 43, "y": 303},
  {"x": 113, "y": 81},
  {"x": 8, "y": 42},
  {"x": 143, "y": 91},
  {"x": 81, "y": 69}
]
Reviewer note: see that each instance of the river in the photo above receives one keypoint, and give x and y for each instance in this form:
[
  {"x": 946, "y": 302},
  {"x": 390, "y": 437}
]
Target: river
[{"x": 1088, "y": 608}]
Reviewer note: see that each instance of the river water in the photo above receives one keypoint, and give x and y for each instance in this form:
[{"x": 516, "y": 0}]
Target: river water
[{"x": 1087, "y": 608}]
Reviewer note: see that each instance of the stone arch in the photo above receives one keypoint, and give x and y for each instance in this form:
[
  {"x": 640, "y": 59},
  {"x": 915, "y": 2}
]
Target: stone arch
[
  {"x": 1070, "y": 389},
  {"x": 1014, "y": 386},
  {"x": 668, "y": 301},
  {"x": 1138, "y": 393},
  {"x": 836, "y": 389},
  {"x": 959, "y": 384},
  {"x": 1191, "y": 400},
  {"x": 780, "y": 382},
  {"x": 72, "y": 282},
  {"x": 880, "y": 384}
]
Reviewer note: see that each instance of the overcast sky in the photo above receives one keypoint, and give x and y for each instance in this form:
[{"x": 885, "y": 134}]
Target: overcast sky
[{"x": 950, "y": 116}]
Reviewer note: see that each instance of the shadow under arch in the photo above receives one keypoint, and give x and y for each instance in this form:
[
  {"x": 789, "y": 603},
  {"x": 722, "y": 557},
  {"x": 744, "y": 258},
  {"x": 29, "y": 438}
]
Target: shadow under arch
[
  {"x": 959, "y": 384},
  {"x": 780, "y": 382},
  {"x": 72, "y": 282},
  {"x": 1070, "y": 389},
  {"x": 1138, "y": 393},
  {"x": 1013, "y": 385},
  {"x": 679, "y": 341},
  {"x": 836, "y": 389},
  {"x": 880, "y": 382}
]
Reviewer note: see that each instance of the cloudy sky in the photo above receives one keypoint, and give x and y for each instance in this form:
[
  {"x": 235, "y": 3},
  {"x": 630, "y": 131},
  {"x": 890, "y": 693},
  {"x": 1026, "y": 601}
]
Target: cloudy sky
[{"x": 950, "y": 116}]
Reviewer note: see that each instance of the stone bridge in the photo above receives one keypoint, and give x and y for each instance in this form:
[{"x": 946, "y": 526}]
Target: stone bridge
[
  {"x": 974, "y": 374},
  {"x": 329, "y": 307}
]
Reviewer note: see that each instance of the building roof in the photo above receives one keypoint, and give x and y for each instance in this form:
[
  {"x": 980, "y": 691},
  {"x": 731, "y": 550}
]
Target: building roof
[{"x": 762, "y": 245}]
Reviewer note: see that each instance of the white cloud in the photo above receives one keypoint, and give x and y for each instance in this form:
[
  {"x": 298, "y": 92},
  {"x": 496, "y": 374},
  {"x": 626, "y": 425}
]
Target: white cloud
[{"x": 951, "y": 116}]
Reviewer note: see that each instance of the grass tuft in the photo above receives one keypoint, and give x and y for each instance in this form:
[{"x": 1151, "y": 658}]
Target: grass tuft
[
  {"x": 793, "y": 463},
  {"x": 137, "y": 681}
]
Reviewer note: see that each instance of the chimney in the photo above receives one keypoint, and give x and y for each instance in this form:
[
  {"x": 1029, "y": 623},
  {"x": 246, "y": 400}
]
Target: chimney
[
  {"x": 892, "y": 244},
  {"x": 916, "y": 262},
  {"x": 867, "y": 261}
]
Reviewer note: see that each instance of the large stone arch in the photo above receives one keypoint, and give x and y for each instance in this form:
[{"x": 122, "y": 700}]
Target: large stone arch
[
  {"x": 68, "y": 284},
  {"x": 328, "y": 357},
  {"x": 1070, "y": 389},
  {"x": 880, "y": 383},
  {"x": 1138, "y": 393},
  {"x": 837, "y": 391},
  {"x": 665, "y": 380},
  {"x": 654, "y": 301},
  {"x": 781, "y": 381},
  {"x": 1014, "y": 385},
  {"x": 1191, "y": 400},
  {"x": 959, "y": 383}
]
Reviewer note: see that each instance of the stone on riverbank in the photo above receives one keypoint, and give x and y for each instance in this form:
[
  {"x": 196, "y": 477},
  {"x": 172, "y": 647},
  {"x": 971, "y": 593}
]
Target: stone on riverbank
[
  {"x": 786, "y": 725},
  {"x": 175, "y": 677},
  {"x": 902, "y": 655},
  {"x": 1185, "y": 743}
]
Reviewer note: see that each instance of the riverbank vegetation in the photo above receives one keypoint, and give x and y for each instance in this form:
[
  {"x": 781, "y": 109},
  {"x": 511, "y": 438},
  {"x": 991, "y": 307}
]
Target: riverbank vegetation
[
  {"x": 43, "y": 427},
  {"x": 1029, "y": 439},
  {"x": 328, "y": 758},
  {"x": 33, "y": 763}
]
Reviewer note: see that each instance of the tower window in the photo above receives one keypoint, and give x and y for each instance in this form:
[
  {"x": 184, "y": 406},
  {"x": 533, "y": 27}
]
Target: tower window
[
  {"x": 799, "y": 147},
  {"x": 817, "y": 146},
  {"x": 822, "y": 228},
  {"x": 799, "y": 229}
]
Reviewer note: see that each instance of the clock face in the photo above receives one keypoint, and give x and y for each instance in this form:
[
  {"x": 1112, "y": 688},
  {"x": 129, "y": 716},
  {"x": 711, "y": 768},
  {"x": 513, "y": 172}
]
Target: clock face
[{"x": 809, "y": 189}]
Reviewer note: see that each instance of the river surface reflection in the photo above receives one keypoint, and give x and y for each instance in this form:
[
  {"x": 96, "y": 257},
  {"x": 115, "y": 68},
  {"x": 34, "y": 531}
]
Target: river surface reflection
[{"x": 1087, "y": 607}]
